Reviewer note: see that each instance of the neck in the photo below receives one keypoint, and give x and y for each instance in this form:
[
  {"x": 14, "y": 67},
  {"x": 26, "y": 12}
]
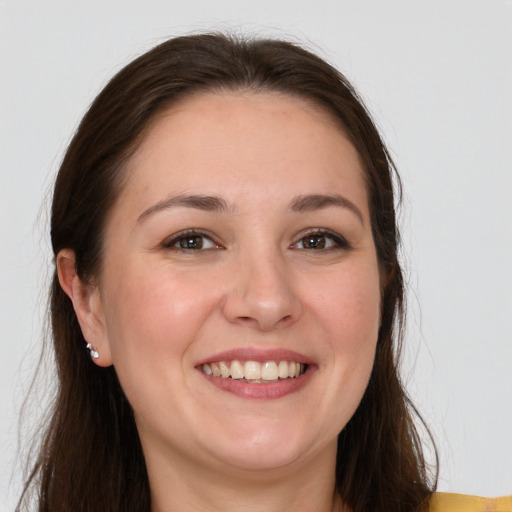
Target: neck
[{"x": 182, "y": 485}]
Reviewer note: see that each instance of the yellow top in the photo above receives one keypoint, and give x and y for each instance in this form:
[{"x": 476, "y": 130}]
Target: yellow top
[{"x": 448, "y": 502}]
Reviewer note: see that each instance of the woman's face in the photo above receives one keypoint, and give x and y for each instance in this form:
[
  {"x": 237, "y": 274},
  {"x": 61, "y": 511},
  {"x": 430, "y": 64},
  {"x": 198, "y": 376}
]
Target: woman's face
[{"x": 240, "y": 252}]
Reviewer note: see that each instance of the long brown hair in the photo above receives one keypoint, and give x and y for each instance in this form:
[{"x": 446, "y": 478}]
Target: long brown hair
[{"x": 91, "y": 458}]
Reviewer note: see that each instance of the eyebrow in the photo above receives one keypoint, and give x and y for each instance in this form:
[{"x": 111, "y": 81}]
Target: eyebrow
[
  {"x": 198, "y": 202},
  {"x": 299, "y": 204},
  {"x": 313, "y": 202}
]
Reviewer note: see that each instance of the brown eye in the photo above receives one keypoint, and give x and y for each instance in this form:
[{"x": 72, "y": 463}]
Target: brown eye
[
  {"x": 190, "y": 242},
  {"x": 320, "y": 240},
  {"x": 194, "y": 242},
  {"x": 314, "y": 242}
]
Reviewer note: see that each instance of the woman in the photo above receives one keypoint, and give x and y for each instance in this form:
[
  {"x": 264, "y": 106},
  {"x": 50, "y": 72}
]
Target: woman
[{"x": 227, "y": 301}]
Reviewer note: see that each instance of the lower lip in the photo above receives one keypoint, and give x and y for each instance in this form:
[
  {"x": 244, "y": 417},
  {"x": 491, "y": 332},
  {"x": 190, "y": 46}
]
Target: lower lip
[{"x": 270, "y": 391}]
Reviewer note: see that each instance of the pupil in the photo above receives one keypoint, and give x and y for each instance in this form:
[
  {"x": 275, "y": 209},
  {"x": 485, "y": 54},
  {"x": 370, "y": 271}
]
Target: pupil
[
  {"x": 315, "y": 242},
  {"x": 191, "y": 242}
]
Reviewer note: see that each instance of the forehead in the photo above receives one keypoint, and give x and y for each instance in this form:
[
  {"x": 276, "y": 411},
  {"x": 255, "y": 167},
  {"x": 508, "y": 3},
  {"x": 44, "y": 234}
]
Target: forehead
[{"x": 230, "y": 140}]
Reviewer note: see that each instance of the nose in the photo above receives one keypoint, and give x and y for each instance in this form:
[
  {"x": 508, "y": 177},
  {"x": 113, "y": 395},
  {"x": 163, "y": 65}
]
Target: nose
[{"x": 261, "y": 295}]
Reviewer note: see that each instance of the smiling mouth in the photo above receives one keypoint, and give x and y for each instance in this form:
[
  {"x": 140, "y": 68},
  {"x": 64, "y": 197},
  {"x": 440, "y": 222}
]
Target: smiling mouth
[{"x": 254, "y": 372}]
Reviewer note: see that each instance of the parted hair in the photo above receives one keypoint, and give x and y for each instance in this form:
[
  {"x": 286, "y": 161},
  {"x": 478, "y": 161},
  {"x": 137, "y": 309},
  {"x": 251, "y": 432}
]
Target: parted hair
[{"x": 90, "y": 458}]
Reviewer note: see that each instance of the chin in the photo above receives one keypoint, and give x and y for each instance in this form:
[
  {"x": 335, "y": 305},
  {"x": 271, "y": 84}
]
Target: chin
[
  {"x": 262, "y": 460},
  {"x": 262, "y": 449}
]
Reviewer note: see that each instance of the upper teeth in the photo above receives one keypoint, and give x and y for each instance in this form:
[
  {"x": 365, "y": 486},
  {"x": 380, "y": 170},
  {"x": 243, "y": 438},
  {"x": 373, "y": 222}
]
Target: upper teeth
[{"x": 254, "y": 370}]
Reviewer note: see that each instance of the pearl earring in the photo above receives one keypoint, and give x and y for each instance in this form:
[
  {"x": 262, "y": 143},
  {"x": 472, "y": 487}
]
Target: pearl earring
[{"x": 94, "y": 353}]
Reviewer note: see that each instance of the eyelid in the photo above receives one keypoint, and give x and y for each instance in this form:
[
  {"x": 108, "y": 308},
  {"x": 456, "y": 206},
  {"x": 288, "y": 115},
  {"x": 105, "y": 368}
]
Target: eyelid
[
  {"x": 170, "y": 241},
  {"x": 340, "y": 240}
]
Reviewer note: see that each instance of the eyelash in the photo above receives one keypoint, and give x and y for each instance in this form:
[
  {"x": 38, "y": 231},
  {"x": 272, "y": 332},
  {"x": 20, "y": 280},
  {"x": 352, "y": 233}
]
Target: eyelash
[
  {"x": 171, "y": 242},
  {"x": 337, "y": 241}
]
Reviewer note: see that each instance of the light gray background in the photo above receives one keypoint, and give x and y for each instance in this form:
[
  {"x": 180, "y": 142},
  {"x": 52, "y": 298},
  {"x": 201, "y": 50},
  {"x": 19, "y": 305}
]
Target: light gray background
[{"x": 437, "y": 77}]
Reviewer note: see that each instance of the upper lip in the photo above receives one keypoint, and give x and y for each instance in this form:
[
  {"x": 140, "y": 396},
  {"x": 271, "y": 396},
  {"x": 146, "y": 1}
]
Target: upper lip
[{"x": 257, "y": 354}]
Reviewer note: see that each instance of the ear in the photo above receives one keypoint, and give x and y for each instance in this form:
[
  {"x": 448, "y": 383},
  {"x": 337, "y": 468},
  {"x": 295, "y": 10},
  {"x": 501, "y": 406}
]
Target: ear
[{"x": 87, "y": 304}]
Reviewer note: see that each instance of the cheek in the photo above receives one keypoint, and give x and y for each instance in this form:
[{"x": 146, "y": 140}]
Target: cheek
[
  {"x": 155, "y": 315},
  {"x": 153, "y": 320},
  {"x": 349, "y": 311},
  {"x": 349, "y": 303}
]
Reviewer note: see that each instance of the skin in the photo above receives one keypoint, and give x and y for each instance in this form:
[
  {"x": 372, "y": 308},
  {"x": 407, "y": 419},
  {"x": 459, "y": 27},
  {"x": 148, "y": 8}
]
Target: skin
[{"x": 157, "y": 310}]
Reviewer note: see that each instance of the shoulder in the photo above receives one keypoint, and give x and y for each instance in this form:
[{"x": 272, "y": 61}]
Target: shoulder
[{"x": 449, "y": 502}]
